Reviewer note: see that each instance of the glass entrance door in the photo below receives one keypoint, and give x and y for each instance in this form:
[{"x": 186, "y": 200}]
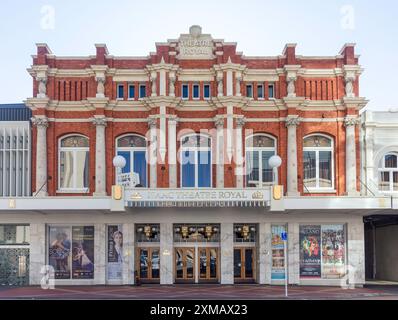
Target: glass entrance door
[
  {"x": 185, "y": 264},
  {"x": 149, "y": 264},
  {"x": 208, "y": 264},
  {"x": 244, "y": 264}
]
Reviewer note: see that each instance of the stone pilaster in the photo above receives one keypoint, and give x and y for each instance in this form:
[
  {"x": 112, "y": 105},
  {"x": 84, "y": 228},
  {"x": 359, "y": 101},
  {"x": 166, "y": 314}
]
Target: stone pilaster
[
  {"x": 99, "y": 252},
  {"x": 37, "y": 259},
  {"x": 227, "y": 253},
  {"x": 293, "y": 256},
  {"x": 264, "y": 254},
  {"x": 128, "y": 253},
  {"x": 219, "y": 122},
  {"x": 292, "y": 187},
  {"x": 166, "y": 254},
  {"x": 351, "y": 160},
  {"x": 100, "y": 156},
  {"x": 41, "y": 124},
  {"x": 356, "y": 253},
  {"x": 172, "y": 151},
  {"x": 152, "y": 122}
]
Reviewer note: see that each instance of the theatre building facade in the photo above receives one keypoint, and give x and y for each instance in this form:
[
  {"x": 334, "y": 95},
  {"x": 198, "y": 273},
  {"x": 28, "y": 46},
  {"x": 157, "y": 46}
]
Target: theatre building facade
[{"x": 192, "y": 196}]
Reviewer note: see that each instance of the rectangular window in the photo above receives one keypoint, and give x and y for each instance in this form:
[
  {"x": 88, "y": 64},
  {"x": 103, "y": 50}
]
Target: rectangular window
[
  {"x": 260, "y": 91},
  {"x": 204, "y": 170},
  {"x": 120, "y": 92},
  {"x": 14, "y": 235},
  {"x": 142, "y": 91},
  {"x": 206, "y": 91},
  {"x": 74, "y": 169},
  {"x": 310, "y": 169},
  {"x": 185, "y": 91},
  {"x": 249, "y": 91},
  {"x": 71, "y": 252},
  {"x": 188, "y": 169},
  {"x": 196, "y": 91},
  {"x": 131, "y": 92},
  {"x": 271, "y": 91}
]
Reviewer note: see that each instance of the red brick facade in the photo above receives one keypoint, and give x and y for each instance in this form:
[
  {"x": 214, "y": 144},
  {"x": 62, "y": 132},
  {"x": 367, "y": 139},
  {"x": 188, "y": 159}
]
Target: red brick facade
[{"x": 70, "y": 83}]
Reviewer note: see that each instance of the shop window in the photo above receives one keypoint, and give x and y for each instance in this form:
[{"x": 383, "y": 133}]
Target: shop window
[
  {"x": 388, "y": 173},
  {"x": 318, "y": 163},
  {"x": 196, "y": 233},
  {"x": 14, "y": 234},
  {"x": 322, "y": 251},
  {"x": 133, "y": 149},
  {"x": 196, "y": 161},
  {"x": 259, "y": 149},
  {"x": 74, "y": 164},
  {"x": 71, "y": 251}
]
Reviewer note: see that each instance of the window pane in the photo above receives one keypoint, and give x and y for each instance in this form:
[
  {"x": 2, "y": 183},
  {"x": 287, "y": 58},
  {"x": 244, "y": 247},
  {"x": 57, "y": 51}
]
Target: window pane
[
  {"x": 82, "y": 172},
  {"x": 260, "y": 91},
  {"x": 185, "y": 93},
  {"x": 196, "y": 91},
  {"x": 131, "y": 141},
  {"x": 66, "y": 169},
  {"x": 271, "y": 93},
  {"x": 249, "y": 91},
  {"x": 74, "y": 142},
  {"x": 384, "y": 181},
  {"x": 237, "y": 263},
  {"x": 125, "y": 155},
  {"x": 142, "y": 91},
  {"x": 188, "y": 169},
  {"x": 325, "y": 169},
  {"x": 252, "y": 167},
  {"x": 59, "y": 251},
  {"x": 309, "y": 169},
  {"x": 131, "y": 92},
  {"x": 249, "y": 263},
  {"x": 267, "y": 173},
  {"x": 204, "y": 170},
  {"x": 317, "y": 141},
  {"x": 140, "y": 166},
  {"x": 83, "y": 252},
  {"x": 13, "y": 234},
  {"x": 391, "y": 161},
  {"x": 120, "y": 92},
  {"x": 207, "y": 91}
]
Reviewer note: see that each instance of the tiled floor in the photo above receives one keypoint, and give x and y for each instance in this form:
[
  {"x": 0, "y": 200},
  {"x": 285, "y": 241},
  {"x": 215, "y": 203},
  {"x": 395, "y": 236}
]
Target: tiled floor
[{"x": 183, "y": 292}]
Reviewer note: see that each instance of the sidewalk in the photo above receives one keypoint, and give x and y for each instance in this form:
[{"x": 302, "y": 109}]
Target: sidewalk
[{"x": 199, "y": 292}]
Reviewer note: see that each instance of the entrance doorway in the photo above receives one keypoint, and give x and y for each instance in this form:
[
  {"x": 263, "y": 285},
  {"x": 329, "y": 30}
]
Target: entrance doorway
[
  {"x": 149, "y": 264},
  {"x": 244, "y": 265},
  {"x": 185, "y": 265},
  {"x": 208, "y": 264}
]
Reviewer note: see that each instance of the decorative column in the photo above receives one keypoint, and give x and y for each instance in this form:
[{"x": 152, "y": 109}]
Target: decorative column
[
  {"x": 152, "y": 122},
  {"x": 351, "y": 160},
  {"x": 172, "y": 151},
  {"x": 219, "y": 122},
  {"x": 154, "y": 76},
  {"x": 41, "y": 155},
  {"x": 238, "y": 82},
  {"x": 166, "y": 254},
  {"x": 172, "y": 81},
  {"x": 220, "y": 84},
  {"x": 100, "y": 159},
  {"x": 291, "y": 124},
  {"x": 240, "y": 122}
]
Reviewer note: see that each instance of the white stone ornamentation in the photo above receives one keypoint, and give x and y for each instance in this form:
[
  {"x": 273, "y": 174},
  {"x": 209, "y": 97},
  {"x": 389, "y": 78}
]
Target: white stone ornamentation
[
  {"x": 291, "y": 87},
  {"x": 172, "y": 87},
  {"x": 220, "y": 86},
  {"x": 238, "y": 82},
  {"x": 290, "y": 122},
  {"x": 99, "y": 122},
  {"x": 100, "y": 87},
  {"x": 154, "y": 76},
  {"x": 42, "y": 87},
  {"x": 349, "y": 85},
  {"x": 351, "y": 121}
]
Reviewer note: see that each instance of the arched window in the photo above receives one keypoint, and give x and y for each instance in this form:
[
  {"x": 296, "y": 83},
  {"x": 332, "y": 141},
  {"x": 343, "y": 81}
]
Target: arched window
[
  {"x": 259, "y": 149},
  {"x": 388, "y": 173},
  {"x": 196, "y": 161},
  {"x": 318, "y": 163},
  {"x": 134, "y": 148},
  {"x": 73, "y": 164}
]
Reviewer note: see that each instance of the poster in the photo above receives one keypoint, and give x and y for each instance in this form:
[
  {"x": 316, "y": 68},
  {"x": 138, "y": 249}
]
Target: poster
[
  {"x": 83, "y": 252},
  {"x": 333, "y": 251},
  {"x": 115, "y": 252},
  {"x": 59, "y": 251},
  {"x": 278, "y": 253},
  {"x": 310, "y": 251}
]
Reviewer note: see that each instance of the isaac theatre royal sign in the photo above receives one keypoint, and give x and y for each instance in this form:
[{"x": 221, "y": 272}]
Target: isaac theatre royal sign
[{"x": 195, "y": 45}]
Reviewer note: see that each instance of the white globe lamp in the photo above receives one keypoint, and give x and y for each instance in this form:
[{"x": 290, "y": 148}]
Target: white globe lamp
[
  {"x": 119, "y": 162},
  {"x": 275, "y": 162}
]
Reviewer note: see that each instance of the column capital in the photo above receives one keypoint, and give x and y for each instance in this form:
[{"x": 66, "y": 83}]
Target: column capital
[
  {"x": 240, "y": 122},
  {"x": 292, "y": 121},
  {"x": 99, "y": 122},
  {"x": 219, "y": 121},
  {"x": 152, "y": 123},
  {"x": 173, "y": 120},
  {"x": 351, "y": 121},
  {"x": 40, "y": 122}
]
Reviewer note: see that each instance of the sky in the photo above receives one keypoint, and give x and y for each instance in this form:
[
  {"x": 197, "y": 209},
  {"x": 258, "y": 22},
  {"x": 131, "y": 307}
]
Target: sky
[{"x": 260, "y": 28}]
